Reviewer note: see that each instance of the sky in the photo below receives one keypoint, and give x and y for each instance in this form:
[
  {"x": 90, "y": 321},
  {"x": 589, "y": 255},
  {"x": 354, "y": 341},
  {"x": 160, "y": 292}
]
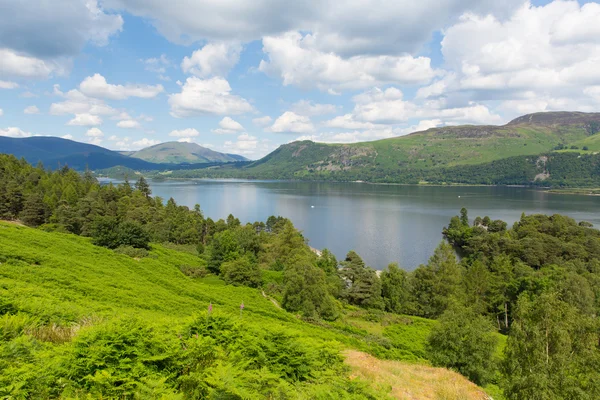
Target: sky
[{"x": 246, "y": 76}]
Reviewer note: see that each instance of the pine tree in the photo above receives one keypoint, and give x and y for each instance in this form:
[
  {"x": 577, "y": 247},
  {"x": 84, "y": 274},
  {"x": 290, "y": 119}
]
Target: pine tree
[{"x": 34, "y": 210}]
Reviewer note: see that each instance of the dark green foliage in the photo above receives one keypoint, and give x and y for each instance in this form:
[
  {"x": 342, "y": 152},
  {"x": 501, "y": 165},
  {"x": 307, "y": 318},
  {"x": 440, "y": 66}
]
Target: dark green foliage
[
  {"x": 438, "y": 283},
  {"x": 395, "y": 289},
  {"x": 465, "y": 342},
  {"x": 363, "y": 284},
  {"x": 34, "y": 210},
  {"x": 306, "y": 292},
  {"x": 107, "y": 232},
  {"x": 242, "y": 271},
  {"x": 551, "y": 352}
]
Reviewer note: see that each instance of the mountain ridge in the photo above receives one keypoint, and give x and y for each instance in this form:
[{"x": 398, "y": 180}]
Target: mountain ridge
[{"x": 183, "y": 152}]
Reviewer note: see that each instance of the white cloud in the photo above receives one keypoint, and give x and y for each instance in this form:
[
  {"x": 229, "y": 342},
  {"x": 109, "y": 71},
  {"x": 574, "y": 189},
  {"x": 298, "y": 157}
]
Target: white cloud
[
  {"x": 128, "y": 124},
  {"x": 290, "y": 122},
  {"x": 185, "y": 133},
  {"x": 31, "y": 110},
  {"x": 96, "y": 86},
  {"x": 78, "y": 103},
  {"x": 540, "y": 59},
  {"x": 67, "y": 136},
  {"x": 296, "y": 60},
  {"x": 145, "y": 142},
  {"x": 245, "y": 144},
  {"x": 373, "y": 27},
  {"x": 228, "y": 125},
  {"x": 214, "y": 59},
  {"x": 157, "y": 64},
  {"x": 263, "y": 121},
  {"x": 58, "y": 28},
  {"x": 310, "y": 108},
  {"x": 347, "y": 121},
  {"x": 94, "y": 133},
  {"x": 14, "y": 132},
  {"x": 207, "y": 96},
  {"x": 8, "y": 85},
  {"x": 23, "y": 66},
  {"x": 85, "y": 120},
  {"x": 1, "y": 112}
]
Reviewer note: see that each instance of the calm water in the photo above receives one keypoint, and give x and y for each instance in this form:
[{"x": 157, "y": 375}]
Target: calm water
[{"x": 382, "y": 223}]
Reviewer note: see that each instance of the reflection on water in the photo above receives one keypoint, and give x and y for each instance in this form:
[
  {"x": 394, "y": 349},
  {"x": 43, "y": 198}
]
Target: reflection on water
[{"x": 383, "y": 223}]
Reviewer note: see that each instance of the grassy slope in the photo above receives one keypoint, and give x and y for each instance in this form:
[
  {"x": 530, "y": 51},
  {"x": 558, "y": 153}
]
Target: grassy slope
[{"x": 63, "y": 279}]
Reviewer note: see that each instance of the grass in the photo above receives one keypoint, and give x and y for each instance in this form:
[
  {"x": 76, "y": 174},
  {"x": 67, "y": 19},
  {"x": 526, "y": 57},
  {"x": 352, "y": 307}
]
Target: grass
[
  {"x": 409, "y": 381},
  {"x": 55, "y": 287}
]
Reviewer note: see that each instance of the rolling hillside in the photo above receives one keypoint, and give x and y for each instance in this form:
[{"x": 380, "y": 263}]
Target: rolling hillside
[
  {"x": 77, "y": 320},
  {"x": 432, "y": 155},
  {"x": 181, "y": 152}
]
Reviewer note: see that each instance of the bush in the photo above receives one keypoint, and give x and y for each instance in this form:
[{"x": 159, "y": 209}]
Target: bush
[
  {"x": 193, "y": 271},
  {"x": 132, "y": 251},
  {"x": 242, "y": 271},
  {"x": 465, "y": 342},
  {"x": 108, "y": 232}
]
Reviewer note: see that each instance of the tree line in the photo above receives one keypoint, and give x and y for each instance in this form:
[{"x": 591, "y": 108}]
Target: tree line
[{"x": 538, "y": 282}]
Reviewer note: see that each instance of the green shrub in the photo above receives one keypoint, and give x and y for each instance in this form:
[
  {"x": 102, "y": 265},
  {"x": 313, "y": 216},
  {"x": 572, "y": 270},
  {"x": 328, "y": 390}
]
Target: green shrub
[
  {"x": 193, "y": 271},
  {"x": 242, "y": 271},
  {"x": 132, "y": 251}
]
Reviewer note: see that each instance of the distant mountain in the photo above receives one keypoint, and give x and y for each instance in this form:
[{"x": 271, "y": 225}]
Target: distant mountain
[
  {"x": 453, "y": 154},
  {"x": 181, "y": 152},
  {"x": 54, "y": 152}
]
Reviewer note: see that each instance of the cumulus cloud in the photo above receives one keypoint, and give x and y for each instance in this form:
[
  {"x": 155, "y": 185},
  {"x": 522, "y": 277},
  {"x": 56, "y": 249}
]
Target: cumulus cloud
[
  {"x": 228, "y": 125},
  {"x": 85, "y": 120},
  {"x": 540, "y": 59},
  {"x": 290, "y": 122},
  {"x": 157, "y": 64},
  {"x": 185, "y": 133},
  {"x": 67, "y": 136},
  {"x": 245, "y": 144},
  {"x": 310, "y": 108},
  {"x": 94, "y": 136},
  {"x": 77, "y": 103},
  {"x": 20, "y": 65},
  {"x": 129, "y": 124},
  {"x": 96, "y": 86},
  {"x": 205, "y": 97},
  {"x": 296, "y": 59},
  {"x": 145, "y": 142},
  {"x": 391, "y": 27},
  {"x": 214, "y": 59},
  {"x": 262, "y": 121},
  {"x": 8, "y": 85},
  {"x": 14, "y": 132},
  {"x": 67, "y": 25},
  {"x": 31, "y": 110}
]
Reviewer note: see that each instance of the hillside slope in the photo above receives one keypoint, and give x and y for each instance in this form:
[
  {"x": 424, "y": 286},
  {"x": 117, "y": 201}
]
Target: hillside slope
[
  {"x": 182, "y": 152},
  {"x": 76, "y": 319},
  {"x": 432, "y": 155}
]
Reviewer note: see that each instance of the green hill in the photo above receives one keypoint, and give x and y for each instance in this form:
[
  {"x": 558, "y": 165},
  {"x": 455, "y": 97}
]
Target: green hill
[
  {"x": 182, "y": 152},
  {"x": 78, "y": 319},
  {"x": 435, "y": 155}
]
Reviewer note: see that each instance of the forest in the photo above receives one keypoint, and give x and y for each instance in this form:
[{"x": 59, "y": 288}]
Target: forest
[
  {"x": 555, "y": 169},
  {"x": 534, "y": 286}
]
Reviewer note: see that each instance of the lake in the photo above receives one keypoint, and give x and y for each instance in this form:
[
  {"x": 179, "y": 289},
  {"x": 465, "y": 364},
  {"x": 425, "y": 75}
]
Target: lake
[{"x": 382, "y": 223}]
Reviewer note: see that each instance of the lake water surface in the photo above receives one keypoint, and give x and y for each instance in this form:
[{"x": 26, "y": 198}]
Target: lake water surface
[{"x": 383, "y": 223}]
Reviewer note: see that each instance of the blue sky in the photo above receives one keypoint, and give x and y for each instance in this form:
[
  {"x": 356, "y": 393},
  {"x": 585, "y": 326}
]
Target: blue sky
[{"x": 247, "y": 77}]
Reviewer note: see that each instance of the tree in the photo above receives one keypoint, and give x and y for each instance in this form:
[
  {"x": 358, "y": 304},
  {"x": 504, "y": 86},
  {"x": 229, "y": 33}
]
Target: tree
[
  {"x": 143, "y": 187},
  {"x": 463, "y": 341},
  {"x": 108, "y": 232},
  {"x": 551, "y": 351},
  {"x": 435, "y": 285},
  {"x": 223, "y": 247},
  {"x": 34, "y": 210},
  {"x": 395, "y": 290},
  {"x": 477, "y": 286},
  {"x": 363, "y": 284},
  {"x": 306, "y": 292},
  {"x": 242, "y": 271}
]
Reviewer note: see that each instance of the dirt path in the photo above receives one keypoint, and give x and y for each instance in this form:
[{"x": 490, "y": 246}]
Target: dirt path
[
  {"x": 271, "y": 299},
  {"x": 412, "y": 381}
]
